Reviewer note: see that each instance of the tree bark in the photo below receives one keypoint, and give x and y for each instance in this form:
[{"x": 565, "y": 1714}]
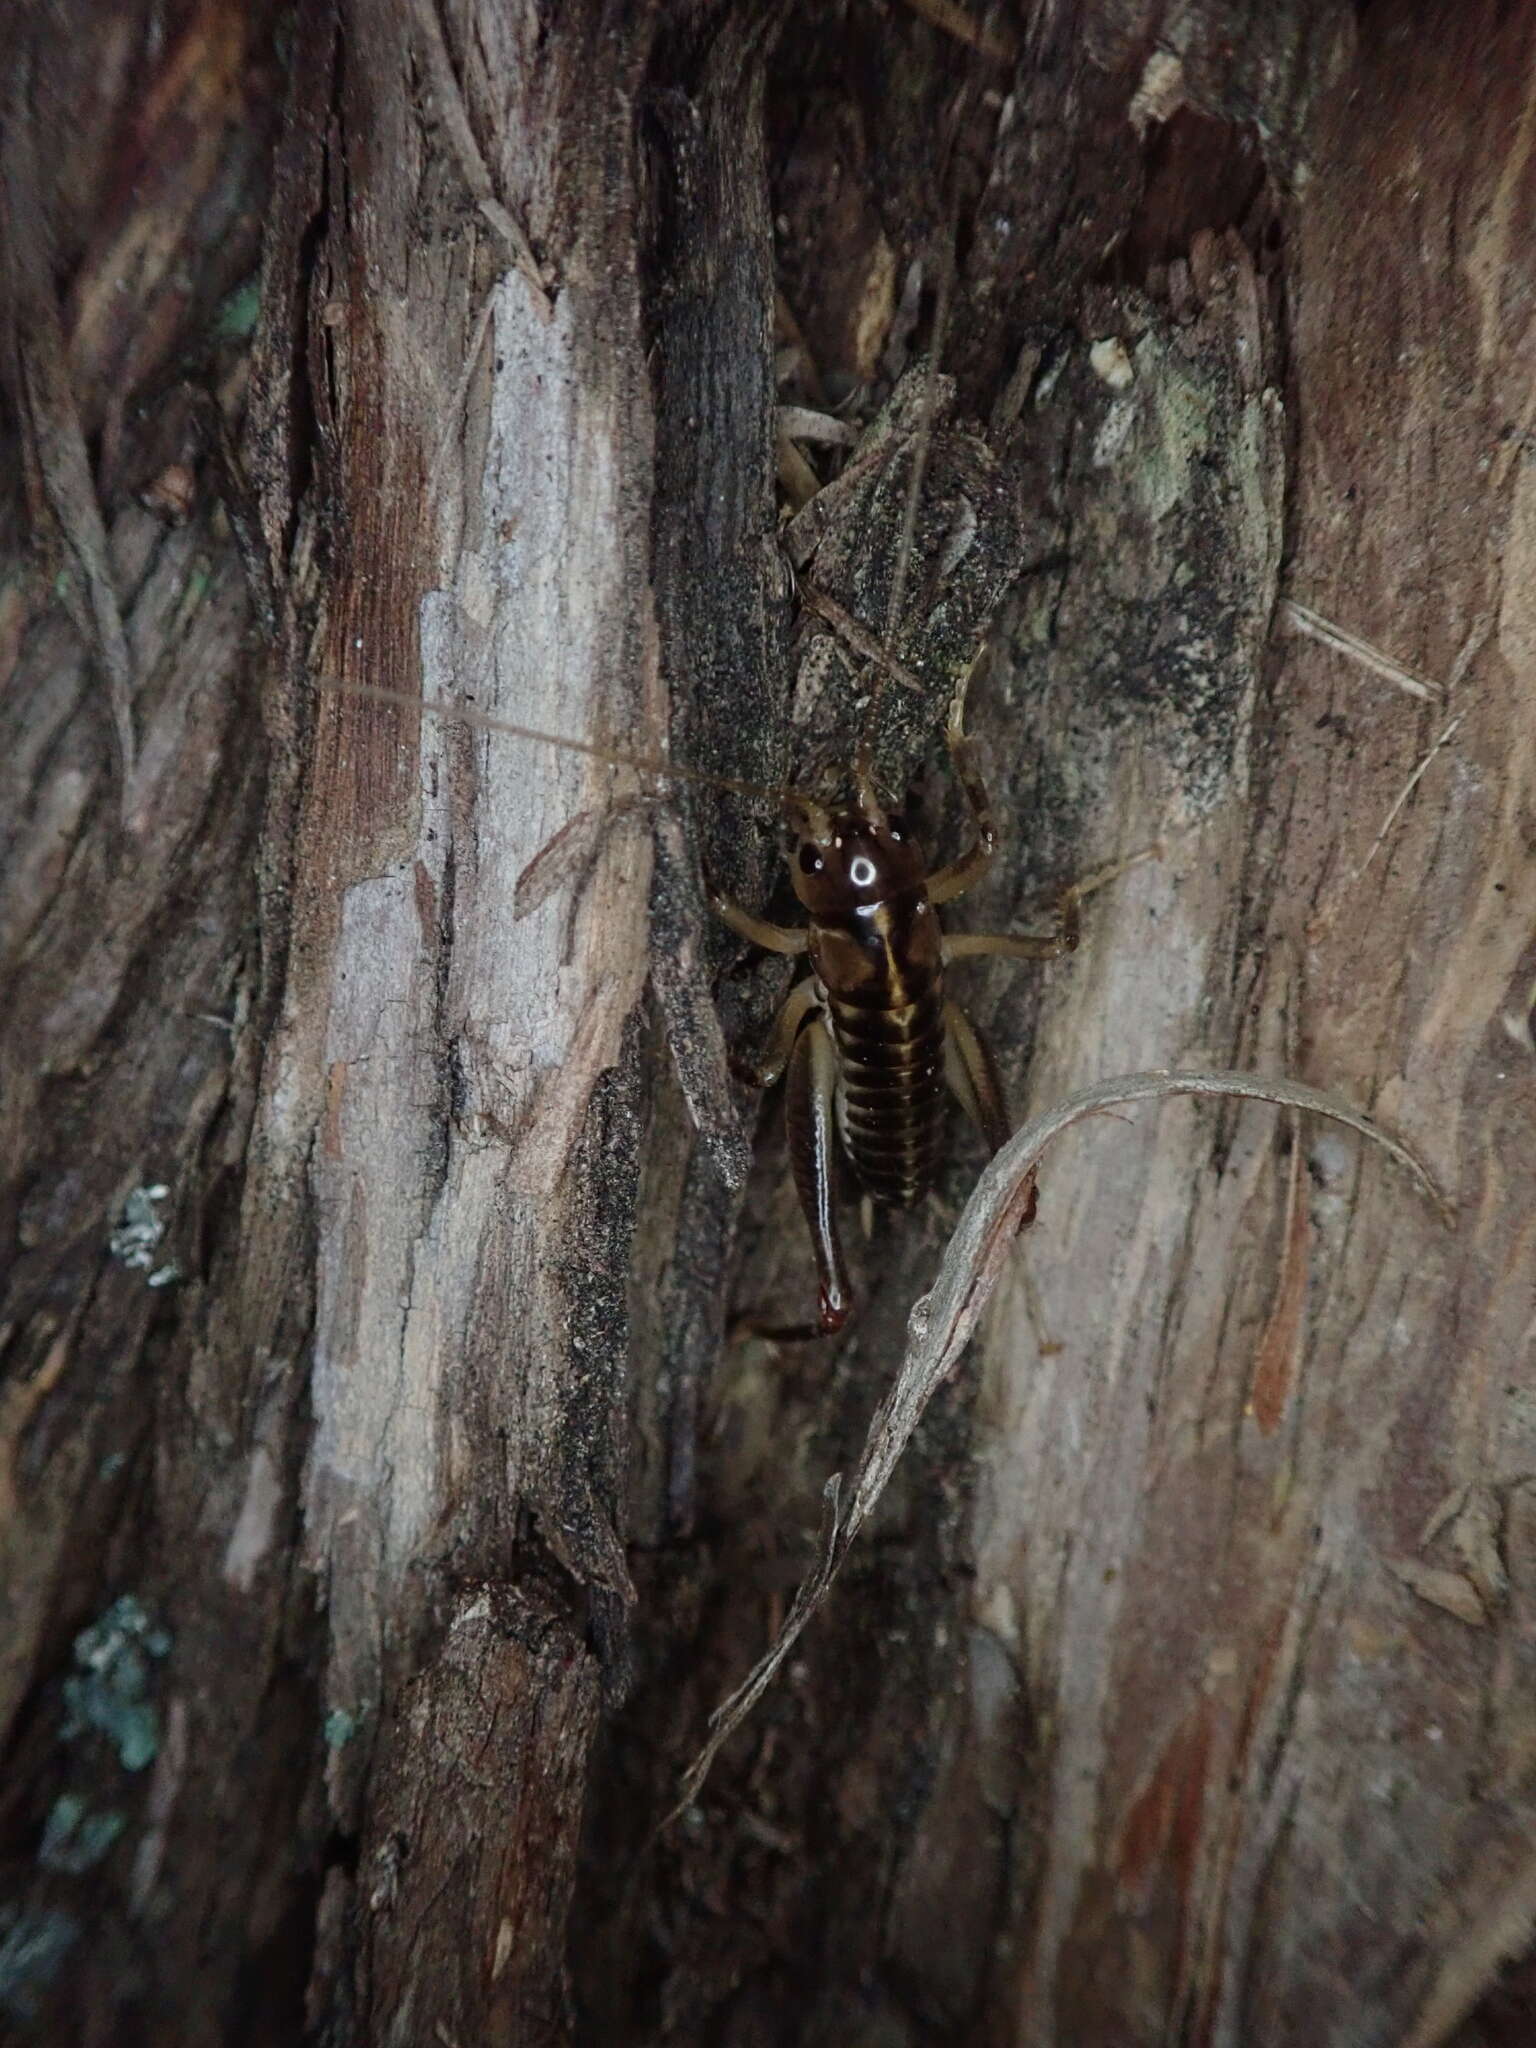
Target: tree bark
[{"x": 385, "y": 1495}]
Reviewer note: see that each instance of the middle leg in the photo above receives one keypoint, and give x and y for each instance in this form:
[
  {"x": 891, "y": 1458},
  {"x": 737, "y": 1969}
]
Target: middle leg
[{"x": 801, "y": 1000}]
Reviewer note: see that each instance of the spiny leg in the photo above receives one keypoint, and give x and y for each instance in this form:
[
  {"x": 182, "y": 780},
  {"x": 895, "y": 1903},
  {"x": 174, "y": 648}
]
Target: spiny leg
[
  {"x": 971, "y": 866},
  {"x": 810, "y": 1112},
  {"x": 973, "y": 1079},
  {"x": 1020, "y": 945},
  {"x": 773, "y": 938},
  {"x": 972, "y": 1074},
  {"x": 770, "y": 1065}
]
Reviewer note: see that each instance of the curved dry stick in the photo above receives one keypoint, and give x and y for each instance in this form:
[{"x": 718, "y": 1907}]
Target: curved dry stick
[{"x": 942, "y": 1322}]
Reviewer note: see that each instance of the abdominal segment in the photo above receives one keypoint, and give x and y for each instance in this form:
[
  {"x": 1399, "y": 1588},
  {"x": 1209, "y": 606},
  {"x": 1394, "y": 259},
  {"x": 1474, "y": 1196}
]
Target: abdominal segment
[{"x": 891, "y": 1093}]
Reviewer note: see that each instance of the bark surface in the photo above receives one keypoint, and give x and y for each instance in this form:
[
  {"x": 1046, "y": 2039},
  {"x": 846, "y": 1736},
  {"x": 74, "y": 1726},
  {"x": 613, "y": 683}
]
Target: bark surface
[{"x": 383, "y": 1507}]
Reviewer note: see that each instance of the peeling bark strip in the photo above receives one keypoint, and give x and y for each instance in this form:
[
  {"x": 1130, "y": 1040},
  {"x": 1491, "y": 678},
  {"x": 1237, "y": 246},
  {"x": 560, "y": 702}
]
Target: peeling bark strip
[
  {"x": 474, "y": 1848},
  {"x": 475, "y": 1188}
]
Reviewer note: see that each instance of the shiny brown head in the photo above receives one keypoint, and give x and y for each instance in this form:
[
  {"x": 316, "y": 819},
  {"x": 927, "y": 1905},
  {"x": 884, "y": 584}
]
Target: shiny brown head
[{"x": 847, "y": 858}]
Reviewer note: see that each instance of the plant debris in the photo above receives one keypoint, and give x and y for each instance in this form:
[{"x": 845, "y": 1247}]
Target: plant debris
[{"x": 943, "y": 1321}]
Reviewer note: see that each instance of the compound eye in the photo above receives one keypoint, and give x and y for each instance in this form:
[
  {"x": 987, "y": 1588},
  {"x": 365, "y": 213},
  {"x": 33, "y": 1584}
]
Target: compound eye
[
  {"x": 896, "y": 826},
  {"x": 811, "y": 862},
  {"x": 861, "y": 871}
]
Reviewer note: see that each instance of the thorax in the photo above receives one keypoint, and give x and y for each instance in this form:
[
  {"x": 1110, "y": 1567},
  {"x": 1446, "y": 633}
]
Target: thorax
[{"x": 883, "y": 955}]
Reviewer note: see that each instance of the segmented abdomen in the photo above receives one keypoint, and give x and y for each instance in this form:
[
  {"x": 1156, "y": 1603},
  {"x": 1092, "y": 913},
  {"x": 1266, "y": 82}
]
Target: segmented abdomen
[{"x": 891, "y": 1059}]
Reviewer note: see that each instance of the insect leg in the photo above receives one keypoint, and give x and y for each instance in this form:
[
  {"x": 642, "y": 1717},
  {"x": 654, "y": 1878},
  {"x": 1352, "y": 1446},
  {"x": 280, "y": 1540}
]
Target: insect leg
[
  {"x": 973, "y": 1079},
  {"x": 971, "y": 866},
  {"x": 802, "y": 998},
  {"x": 811, "y": 1115},
  {"x": 773, "y": 938},
  {"x": 1019, "y": 945}
]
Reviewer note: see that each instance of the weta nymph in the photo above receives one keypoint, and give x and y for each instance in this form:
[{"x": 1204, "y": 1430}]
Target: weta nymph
[{"x": 869, "y": 1040}]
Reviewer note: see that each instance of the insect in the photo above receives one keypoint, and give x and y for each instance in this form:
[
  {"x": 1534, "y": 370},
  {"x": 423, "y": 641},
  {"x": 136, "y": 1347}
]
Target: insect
[
  {"x": 869, "y": 1040},
  {"x": 869, "y": 1043}
]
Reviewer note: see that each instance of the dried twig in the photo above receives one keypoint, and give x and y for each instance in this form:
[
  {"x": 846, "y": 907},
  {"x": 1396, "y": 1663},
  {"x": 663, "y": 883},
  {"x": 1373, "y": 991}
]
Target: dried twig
[
  {"x": 453, "y": 416},
  {"x": 694, "y": 1032},
  {"x": 1328, "y": 912},
  {"x": 942, "y": 1322},
  {"x": 1403, "y": 795},
  {"x": 803, "y": 423},
  {"x": 922, "y": 442}
]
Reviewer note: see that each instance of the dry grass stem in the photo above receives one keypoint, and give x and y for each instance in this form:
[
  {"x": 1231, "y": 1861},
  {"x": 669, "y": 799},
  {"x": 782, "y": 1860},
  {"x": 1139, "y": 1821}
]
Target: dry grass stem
[
  {"x": 942, "y": 1322},
  {"x": 1403, "y": 795},
  {"x": 1316, "y": 627},
  {"x": 858, "y": 638}
]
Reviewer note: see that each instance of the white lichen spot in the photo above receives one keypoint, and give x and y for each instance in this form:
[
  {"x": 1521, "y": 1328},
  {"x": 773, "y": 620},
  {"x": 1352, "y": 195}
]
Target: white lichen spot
[
  {"x": 1109, "y": 361},
  {"x": 140, "y": 1229},
  {"x": 1114, "y": 432},
  {"x": 998, "y": 1612},
  {"x": 503, "y": 1951},
  {"x": 474, "y": 1614},
  {"x": 1049, "y": 378},
  {"x": 340, "y": 1727},
  {"x": 1160, "y": 92}
]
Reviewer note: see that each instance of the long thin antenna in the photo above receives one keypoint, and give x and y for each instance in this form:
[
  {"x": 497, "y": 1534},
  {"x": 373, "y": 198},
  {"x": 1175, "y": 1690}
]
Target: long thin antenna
[{"x": 645, "y": 764}]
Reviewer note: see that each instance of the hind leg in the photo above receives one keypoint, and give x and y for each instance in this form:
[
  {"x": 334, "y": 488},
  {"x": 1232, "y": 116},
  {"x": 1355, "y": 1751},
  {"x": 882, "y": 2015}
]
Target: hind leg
[
  {"x": 810, "y": 1116},
  {"x": 810, "y": 1112}
]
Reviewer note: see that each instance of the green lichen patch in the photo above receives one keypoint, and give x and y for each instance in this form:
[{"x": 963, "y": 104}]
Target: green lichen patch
[
  {"x": 75, "y": 1839},
  {"x": 33, "y": 1945},
  {"x": 111, "y": 1693}
]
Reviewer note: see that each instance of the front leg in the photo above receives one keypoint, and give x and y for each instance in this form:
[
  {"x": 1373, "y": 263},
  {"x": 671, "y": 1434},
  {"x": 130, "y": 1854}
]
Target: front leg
[
  {"x": 971, "y": 866},
  {"x": 1020, "y": 945},
  {"x": 773, "y": 938}
]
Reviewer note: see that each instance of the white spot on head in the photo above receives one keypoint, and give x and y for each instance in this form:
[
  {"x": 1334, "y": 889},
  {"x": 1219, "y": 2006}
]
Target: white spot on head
[{"x": 861, "y": 871}]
